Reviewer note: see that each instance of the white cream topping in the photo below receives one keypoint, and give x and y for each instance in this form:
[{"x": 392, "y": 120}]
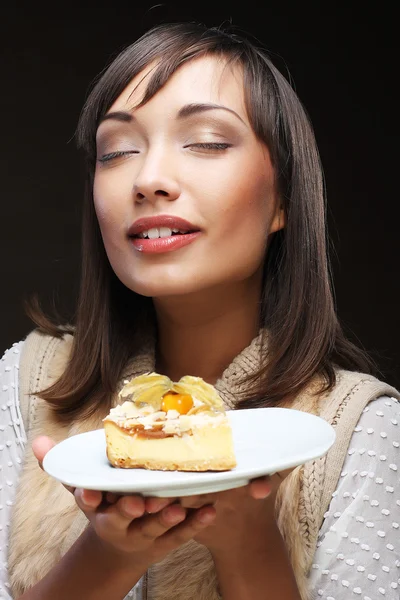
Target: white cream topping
[{"x": 128, "y": 414}]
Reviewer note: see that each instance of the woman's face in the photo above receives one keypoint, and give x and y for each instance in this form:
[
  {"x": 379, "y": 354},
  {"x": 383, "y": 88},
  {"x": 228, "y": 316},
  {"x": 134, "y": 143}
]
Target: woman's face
[{"x": 188, "y": 154}]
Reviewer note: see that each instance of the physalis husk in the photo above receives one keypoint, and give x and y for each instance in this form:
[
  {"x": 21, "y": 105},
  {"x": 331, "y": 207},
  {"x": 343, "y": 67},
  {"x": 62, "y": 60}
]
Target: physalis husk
[{"x": 151, "y": 387}]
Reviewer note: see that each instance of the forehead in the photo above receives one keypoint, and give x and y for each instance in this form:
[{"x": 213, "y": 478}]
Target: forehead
[{"x": 204, "y": 79}]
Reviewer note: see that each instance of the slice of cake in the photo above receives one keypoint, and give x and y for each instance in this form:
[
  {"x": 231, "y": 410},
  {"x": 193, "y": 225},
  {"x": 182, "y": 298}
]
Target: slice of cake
[{"x": 168, "y": 426}]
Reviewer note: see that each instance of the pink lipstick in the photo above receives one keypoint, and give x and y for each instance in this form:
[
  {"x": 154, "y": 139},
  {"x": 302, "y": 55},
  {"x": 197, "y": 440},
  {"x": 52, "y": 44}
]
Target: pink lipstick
[{"x": 162, "y": 233}]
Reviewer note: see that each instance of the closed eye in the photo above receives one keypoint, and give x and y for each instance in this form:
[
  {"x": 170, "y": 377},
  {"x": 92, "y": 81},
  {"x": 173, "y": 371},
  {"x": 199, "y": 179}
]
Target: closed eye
[
  {"x": 118, "y": 154},
  {"x": 210, "y": 146}
]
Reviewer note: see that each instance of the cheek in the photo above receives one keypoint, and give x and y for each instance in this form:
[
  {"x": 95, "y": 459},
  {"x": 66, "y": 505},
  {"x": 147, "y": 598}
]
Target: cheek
[
  {"x": 242, "y": 216},
  {"x": 248, "y": 203},
  {"x": 107, "y": 206}
]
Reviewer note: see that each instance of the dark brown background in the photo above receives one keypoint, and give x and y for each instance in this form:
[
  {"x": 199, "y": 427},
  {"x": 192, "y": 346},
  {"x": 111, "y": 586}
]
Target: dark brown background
[{"x": 343, "y": 65}]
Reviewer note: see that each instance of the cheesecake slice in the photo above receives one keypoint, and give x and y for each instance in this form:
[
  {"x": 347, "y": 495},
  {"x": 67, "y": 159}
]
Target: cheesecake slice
[{"x": 166, "y": 426}]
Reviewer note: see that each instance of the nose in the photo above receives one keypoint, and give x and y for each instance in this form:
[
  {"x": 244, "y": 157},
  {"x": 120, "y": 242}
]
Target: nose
[{"x": 156, "y": 180}]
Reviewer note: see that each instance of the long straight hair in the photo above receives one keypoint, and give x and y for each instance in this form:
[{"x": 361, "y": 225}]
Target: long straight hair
[{"x": 297, "y": 308}]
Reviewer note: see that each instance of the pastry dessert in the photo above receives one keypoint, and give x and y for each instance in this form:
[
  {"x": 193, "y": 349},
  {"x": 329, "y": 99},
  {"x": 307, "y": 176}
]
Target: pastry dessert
[{"x": 168, "y": 426}]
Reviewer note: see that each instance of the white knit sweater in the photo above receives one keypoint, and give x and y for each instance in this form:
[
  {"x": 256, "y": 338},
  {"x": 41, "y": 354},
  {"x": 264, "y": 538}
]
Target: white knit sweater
[{"x": 358, "y": 553}]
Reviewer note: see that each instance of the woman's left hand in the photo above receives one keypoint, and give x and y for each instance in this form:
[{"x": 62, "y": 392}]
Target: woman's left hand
[{"x": 243, "y": 516}]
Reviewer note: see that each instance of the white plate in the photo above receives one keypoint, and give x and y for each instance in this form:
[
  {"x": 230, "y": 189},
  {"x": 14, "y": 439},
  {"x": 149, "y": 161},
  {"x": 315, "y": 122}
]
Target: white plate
[{"x": 266, "y": 440}]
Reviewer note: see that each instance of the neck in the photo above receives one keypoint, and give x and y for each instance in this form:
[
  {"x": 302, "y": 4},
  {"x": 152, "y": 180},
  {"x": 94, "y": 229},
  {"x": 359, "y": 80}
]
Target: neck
[{"x": 201, "y": 334}]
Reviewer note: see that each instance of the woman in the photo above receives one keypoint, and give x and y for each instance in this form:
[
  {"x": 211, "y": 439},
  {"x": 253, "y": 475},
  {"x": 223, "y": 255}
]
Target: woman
[{"x": 204, "y": 254}]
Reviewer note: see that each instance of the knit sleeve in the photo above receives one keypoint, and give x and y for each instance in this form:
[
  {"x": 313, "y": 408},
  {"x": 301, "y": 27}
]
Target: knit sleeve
[
  {"x": 358, "y": 549},
  {"x": 12, "y": 444}
]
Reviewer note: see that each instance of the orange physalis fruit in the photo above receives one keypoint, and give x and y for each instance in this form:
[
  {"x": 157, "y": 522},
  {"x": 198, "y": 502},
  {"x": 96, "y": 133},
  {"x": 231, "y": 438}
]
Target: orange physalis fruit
[{"x": 182, "y": 403}]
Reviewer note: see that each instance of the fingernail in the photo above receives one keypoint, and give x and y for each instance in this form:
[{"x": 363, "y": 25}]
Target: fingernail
[
  {"x": 206, "y": 518},
  {"x": 264, "y": 495},
  {"x": 178, "y": 518},
  {"x": 131, "y": 509},
  {"x": 159, "y": 505},
  {"x": 86, "y": 499},
  {"x": 261, "y": 495},
  {"x": 174, "y": 515}
]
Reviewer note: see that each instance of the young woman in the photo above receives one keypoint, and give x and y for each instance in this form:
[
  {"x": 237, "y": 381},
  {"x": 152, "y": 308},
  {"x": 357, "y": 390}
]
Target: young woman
[{"x": 203, "y": 254}]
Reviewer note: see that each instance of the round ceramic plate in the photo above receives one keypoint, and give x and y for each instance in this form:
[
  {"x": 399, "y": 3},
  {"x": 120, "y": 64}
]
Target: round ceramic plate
[{"x": 266, "y": 440}]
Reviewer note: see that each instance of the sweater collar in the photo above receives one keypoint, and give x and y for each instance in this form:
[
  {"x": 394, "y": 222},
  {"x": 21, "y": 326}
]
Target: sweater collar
[{"x": 231, "y": 385}]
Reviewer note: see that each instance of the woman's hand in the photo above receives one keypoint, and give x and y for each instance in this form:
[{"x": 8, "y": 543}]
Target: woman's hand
[
  {"x": 148, "y": 528},
  {"x": 152, "y": 527},
  {"x": 250, "y": 556},
  {"x": 244, "y": 517}
]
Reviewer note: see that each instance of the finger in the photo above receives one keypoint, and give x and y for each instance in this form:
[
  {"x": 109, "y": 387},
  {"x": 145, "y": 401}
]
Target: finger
[
  {"x": 151, "y": 527},
  {"x": 111, "y": 497},
  {"x": 88, "y": 500},
  {"x": 154, "y": 505},
  {"x": 112, "y": 521},
  {"x": 40, "y": 446},
  {"x": 131, "y": 507},
  {"x": 198, "y": 501},
  {"x": 260, "y": 488},
  {"x": 188, "y": 529}
]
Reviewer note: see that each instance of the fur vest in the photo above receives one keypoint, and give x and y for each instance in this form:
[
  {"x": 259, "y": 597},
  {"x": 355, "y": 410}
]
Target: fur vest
[{"x": 46, "y": 522}]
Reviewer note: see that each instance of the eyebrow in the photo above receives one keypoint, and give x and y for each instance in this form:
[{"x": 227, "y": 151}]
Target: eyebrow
[
  {"x": 184, "y": 113},
  {"x": 118, "y": 115},
  {"x": 193, "y": 109}
]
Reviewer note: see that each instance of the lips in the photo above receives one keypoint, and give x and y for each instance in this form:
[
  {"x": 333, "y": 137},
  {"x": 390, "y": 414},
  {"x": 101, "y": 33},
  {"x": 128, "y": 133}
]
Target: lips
[
  {"x": 156, "y": 222},
  {"x": 184, "y": 234}
]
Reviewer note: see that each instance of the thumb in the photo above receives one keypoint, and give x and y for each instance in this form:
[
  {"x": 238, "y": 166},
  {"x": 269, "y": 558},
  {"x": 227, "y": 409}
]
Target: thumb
[{"x": 40, "y": 446}]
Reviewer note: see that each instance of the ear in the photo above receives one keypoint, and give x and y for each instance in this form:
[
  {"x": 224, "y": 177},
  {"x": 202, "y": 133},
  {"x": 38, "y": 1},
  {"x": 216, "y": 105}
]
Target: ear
[{"x": 279, "y": 219}]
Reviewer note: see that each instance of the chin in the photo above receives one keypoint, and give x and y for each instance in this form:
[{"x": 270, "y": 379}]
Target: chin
[
  {"x": 160, "y": 289},
  {"x": 162, "y": 282}
]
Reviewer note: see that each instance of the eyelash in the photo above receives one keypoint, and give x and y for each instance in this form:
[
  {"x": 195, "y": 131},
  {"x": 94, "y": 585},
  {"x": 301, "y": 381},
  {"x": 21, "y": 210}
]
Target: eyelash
[
  {"x": 210, "y": 146},
  {"x": 112, "y": 155},
  {"x": 217, "y": 146}
]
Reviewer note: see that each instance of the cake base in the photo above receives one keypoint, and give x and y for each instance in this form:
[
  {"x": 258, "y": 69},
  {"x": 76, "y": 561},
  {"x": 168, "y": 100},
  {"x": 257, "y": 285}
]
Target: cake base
[{"x": 210, "y": 448}]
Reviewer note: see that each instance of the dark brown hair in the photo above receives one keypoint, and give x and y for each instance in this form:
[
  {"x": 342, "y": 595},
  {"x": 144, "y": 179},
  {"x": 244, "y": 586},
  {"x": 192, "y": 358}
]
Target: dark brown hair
[{"x": 297, "y": 308}]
